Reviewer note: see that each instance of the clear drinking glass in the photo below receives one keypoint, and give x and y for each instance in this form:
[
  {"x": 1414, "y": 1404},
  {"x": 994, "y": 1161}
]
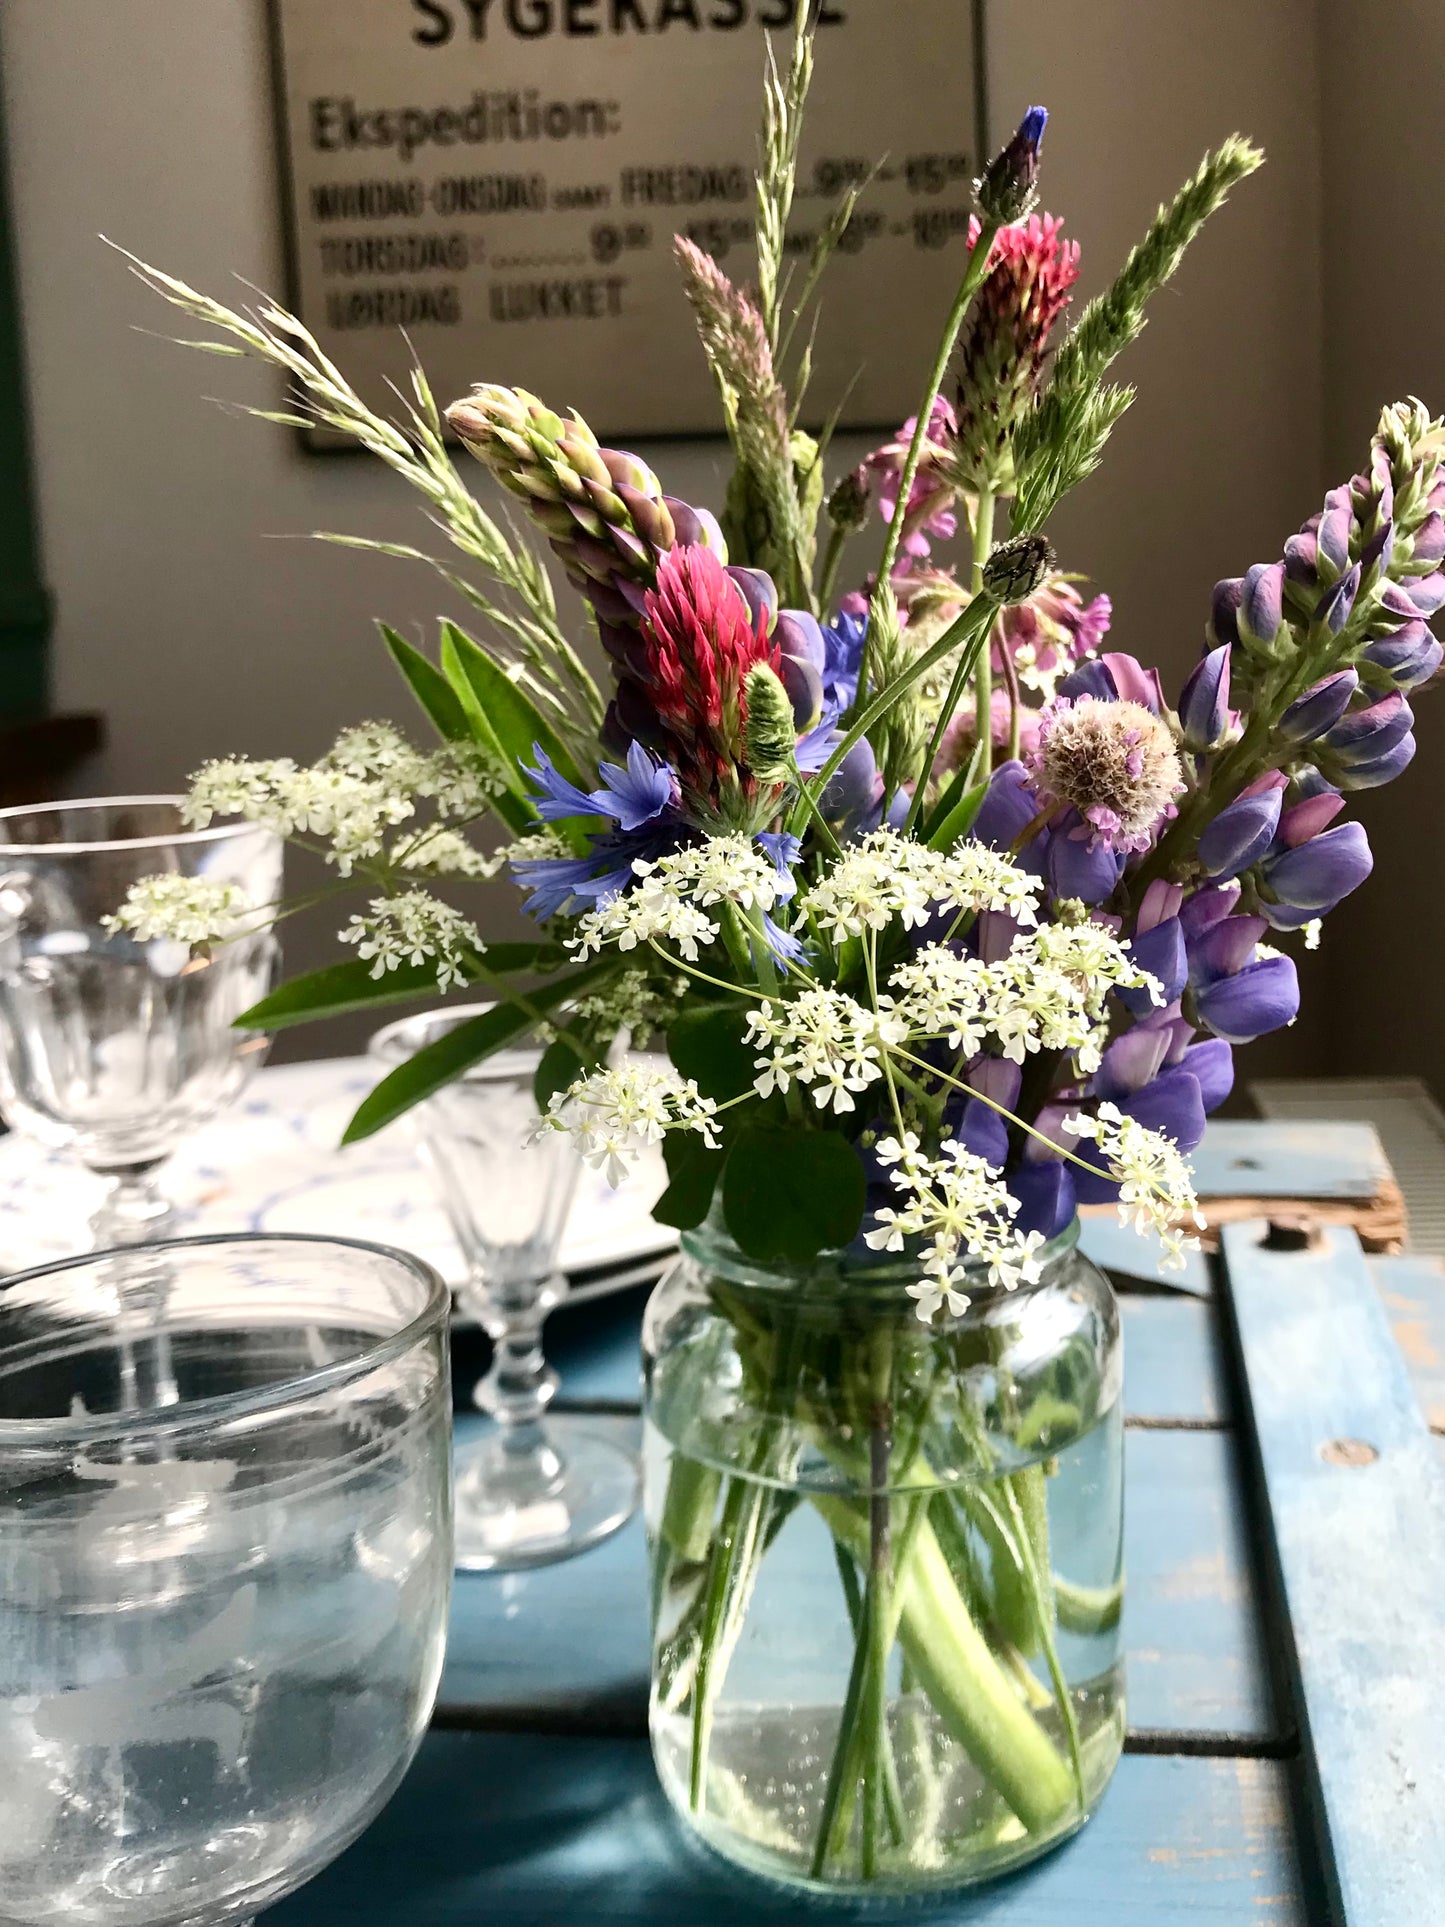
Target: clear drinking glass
[
  {"x": 111, "y": 1048},
  {"x": 537, "y": 1488},
  {"x": 224, "y": 1569}
]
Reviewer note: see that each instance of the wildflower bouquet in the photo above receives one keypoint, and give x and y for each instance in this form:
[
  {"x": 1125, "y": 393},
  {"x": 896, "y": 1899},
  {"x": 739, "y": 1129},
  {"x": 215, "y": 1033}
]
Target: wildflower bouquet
[{"x": 948, "y": 921}]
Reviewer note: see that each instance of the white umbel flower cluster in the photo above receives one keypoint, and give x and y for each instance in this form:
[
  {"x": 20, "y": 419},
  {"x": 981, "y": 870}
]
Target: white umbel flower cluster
[
  {"x": 369, "y": 783},
  {"x": 615, "y": 1114},
  {"x": 1048, "y": 993},
  {"x": 416, "y": 928},
  {"x": 672, "y": 896},
  {"x": 184, "y": 909},
  {"x": 825, "y": 1039},
  {"x": 1158, "y": 1187},
  {"x": 885, "y": 875},
  {"x": 963, "y": 1217}
]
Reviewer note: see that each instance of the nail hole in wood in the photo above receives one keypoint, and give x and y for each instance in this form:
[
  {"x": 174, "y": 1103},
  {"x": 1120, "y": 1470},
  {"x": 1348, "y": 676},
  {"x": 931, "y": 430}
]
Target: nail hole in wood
[
  {"x": 1284, "y": 1235},
  {"x": 1244, "y": 1164},
  {"x": 1348, "y": 1452}
]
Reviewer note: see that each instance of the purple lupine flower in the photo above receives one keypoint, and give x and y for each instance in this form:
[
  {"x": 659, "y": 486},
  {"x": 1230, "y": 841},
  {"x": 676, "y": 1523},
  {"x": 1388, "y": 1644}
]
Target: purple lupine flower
[
  {"x": 1133, "y": 683},
  {"x": 1315, "y": 876},
  {"x": 1333, "y": 533},
  {"x": 981, "y": 1130},
  {"x": 1365, "y": 735},
  {"x": 1172, "y": 1103},
  {"x": 1224, "y": 948},
  {"x": 1131, "y": 1061},
  {"x": 1427, "y": 593},
  {"x": 1320, "y": 707},
  {"x": 1206, "y": 908},
  {"x": 1405, "y": 660},
  {"x": 1427, "y": 550},
  {"x": 1160, "y": 901},
  {"x": 1222, "y": 628},
  {"x": 1308, "y": 817},
  {"x": 1370, "y": 776},
  {"x": 1008, "y": 807},
  {"x": 1204, "y": 704},
  {"x": 1211, "y": 1064},
  {"x": 1261, "y": 603},
  {"x": 1047, "y": 1196},
  {"x": 1161, "y": 951},
  {"x": 1241, "y": 833},
  {"x": 1080, "y": 864},
  {"x": 998, "y": 1078},
  {"x": 1334, "y": 606},
  {"x": 1263, "y": 996},
  {"x": 1089, "y": 679},
  {"x": 759, "y": 592}
]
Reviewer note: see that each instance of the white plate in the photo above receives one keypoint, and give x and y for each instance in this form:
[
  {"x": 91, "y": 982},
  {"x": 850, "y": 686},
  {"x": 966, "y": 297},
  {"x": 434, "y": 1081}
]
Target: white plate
[{"x": 272, "y": 1163}]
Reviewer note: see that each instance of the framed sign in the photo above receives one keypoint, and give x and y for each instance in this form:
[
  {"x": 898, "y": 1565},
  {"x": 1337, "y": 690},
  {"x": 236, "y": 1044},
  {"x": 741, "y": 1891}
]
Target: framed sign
[{"x": 502, "y": 179}]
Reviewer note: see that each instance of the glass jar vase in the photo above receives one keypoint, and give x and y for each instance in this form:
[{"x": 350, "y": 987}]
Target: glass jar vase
[{"x": 887, "y": 1564}]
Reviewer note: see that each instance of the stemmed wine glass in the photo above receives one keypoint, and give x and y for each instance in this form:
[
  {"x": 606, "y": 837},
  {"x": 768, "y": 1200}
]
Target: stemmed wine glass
[
  {"x": 538, "y": 1487},
  {"x": 224, "y": 1569},
  {"x": 111, "y": 1047}
]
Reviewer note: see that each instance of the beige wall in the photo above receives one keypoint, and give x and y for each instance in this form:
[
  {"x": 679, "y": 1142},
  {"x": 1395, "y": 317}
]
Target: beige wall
[{"x": 186, "y": 615}]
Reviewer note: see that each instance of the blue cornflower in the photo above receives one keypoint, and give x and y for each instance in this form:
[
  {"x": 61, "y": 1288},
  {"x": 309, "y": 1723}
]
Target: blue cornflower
[{"x": 640, "y": 803}]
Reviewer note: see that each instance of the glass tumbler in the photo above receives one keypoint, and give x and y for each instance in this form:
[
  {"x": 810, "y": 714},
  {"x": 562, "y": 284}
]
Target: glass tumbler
[
  {"x": 111, "y": 1048},
  {"x": 222, "y": 1616},
  {"x": 537, "y": 1487}
]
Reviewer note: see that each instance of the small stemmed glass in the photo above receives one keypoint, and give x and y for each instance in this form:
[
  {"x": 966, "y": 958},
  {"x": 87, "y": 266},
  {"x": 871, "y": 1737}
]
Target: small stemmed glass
[
  {"x": 111, "y": 1047},
  {"x": 538, "y": 1487}
]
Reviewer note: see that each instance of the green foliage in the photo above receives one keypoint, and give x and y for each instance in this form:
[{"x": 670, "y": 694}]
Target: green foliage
[
  {"x": 429, "y": 686},
  {"x": 694, "y": 1171},
  {"x": 1063, "y": 439},
  {"x": 957, "y": 818},
  {"x": 562, "y": 1063},
  {"x": 789, "y": 1193},
  {"x": 707, "y": 1044},
  {"x": 454, "y": 1053},
  {"x": 339, "y": 988}
]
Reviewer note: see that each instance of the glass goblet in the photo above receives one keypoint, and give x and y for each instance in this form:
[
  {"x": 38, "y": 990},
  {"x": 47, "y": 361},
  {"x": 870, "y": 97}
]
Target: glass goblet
[
  {"x": 111, "y": 1048},
  {"x": 222, "y": 1616},
  {"x": 537, "y": 1487}
]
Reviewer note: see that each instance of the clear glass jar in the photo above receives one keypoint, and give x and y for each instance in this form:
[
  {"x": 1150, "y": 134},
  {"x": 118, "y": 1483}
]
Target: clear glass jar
[{"x": 887, "y": 1564}]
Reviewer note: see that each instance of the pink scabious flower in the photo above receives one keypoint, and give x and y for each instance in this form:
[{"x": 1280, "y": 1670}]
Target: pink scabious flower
[
  {"x": 1001, "y": 351},
  {"x": 958, "y": 739},
  {"x": 699, "y": 639},
  {"x": 929, "y": 515},
  {"x": 1115, "y": 763},
  {"x": 1050, "y": 634}
]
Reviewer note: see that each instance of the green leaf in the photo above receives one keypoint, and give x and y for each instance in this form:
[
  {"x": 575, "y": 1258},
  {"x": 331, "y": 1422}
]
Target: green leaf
[
  {"x": 789, "y": 1193},
  {"x": 429, "y": 686},
  {"x": 457, "y": 1050},
  {"x": 707, "y": 1044},
  {"x": 514, "y": 721},
  {"x": 512, "y": 803},
  {"x": 960, "y": 818},
  {"x": 351, "y": 986},
  {"x": 694, "y": 1171}
]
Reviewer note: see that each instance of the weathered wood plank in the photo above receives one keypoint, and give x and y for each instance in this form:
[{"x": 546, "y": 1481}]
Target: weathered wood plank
[
  {"x": 1126, "y": 1253},
  {"x": 1173, "y": 1373},
  {"x": 1288, "y": 1159},
  {"x": 1413, "y": 1292},
  {"x": 1357, "y": 1505},
  {"x": 567, "y": 1644},
  {"x": 518, "y": 1831}
]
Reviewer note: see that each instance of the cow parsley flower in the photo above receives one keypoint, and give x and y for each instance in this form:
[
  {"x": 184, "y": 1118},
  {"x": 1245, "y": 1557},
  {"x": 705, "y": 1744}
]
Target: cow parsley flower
[
  {"x": 672, "y": 895},
  {"x": 185, "y": 909},
  {"x": 615, "y": 1114},
  {"x": 884, "y": 875},
  {"x": 416, "y": 928},
  {"x": 961, "y": 1214},
  {"x": 825, "y": 1039},
  {"x": 1157, "y": 1187}
]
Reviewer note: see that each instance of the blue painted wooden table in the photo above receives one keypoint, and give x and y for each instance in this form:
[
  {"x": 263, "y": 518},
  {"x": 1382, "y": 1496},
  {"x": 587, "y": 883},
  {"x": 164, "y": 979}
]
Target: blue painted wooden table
[{"x": 1285, "y": 1627}]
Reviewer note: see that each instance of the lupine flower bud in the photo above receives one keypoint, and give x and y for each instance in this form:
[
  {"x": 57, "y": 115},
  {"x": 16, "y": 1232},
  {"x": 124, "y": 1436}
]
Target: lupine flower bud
[
  {"x": 1161, "y": 952},
  {"x": 1320, "y": 707},
  {"x": 1427, "y": 550},
  {"x": 1383, "y": 769},
  {"x": 1204, "y": 705},
  {"x": 855, "y": 786},
  {"x": 1261, "y": 603},
  {"x": 1133, "y": 682},
  {"x": 849, "y": 502},
  {"x": 1206, "y": 908},
  {"x": 1364, "y": 735},
  {"x": 1301, "y": 558},
  {"x": 1333, "y": 534},
  {"x": 1317, "y": 874},
  {"x": 1427, "y": 593},
  {"x": 759, "y": 593},
  {"x": 1402, "y": 661},
  {"x": 1017, "y": 568},
  {"x": 1223, "y": 625},
  {"x": 1223, "y": 948},
  {"x": 1334, "y": 606},
  {"x": 1160, "y": 901},
  {"x": 1008, "y": 186},
  {"x": 1240, "y": 834}
]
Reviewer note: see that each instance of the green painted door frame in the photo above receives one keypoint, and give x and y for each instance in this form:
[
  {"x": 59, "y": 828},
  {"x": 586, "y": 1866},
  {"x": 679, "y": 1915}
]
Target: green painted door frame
[{"x": 24, "y": 600}]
